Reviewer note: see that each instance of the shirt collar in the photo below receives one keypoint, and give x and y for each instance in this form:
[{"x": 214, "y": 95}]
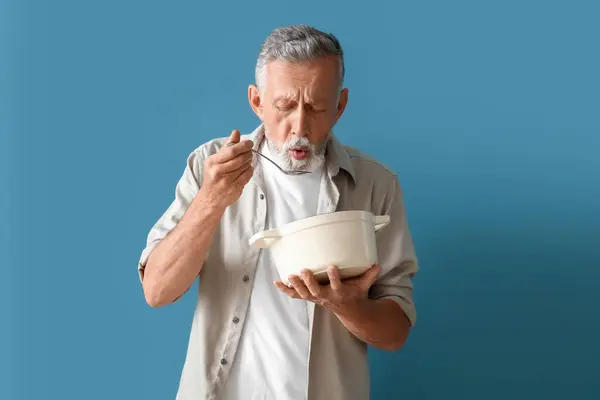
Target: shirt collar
[{"x": 336, "y": 155}]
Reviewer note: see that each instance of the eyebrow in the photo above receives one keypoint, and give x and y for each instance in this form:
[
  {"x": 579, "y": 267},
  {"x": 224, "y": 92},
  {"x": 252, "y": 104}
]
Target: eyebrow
[{"x": 283, "y": 98}]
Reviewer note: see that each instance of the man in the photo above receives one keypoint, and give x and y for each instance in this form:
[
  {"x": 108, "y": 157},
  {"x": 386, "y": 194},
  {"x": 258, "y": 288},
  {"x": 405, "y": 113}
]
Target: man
[{"x": 253, "y": 337}]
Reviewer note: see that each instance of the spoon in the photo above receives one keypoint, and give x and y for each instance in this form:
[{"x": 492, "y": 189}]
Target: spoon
[{"x": 291, "y": 173}]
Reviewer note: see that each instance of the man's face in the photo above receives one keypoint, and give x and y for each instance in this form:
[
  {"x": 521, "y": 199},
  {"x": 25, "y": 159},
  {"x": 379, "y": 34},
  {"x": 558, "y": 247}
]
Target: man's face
[{"x": 299, "y": 105}]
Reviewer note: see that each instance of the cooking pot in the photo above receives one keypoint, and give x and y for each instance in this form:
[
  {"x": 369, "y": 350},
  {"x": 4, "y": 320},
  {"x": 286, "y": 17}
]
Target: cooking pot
[{"x": 345, "y": 239}]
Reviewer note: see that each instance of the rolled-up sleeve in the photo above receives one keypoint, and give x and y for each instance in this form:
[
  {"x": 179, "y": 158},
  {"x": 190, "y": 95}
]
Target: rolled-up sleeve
[
  {"x": 396, "y": 255},
  {"x": 185, "y": 191}
]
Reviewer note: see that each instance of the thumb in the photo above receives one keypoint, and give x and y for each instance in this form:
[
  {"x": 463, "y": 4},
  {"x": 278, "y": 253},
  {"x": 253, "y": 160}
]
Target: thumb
[
  {"x": 234, "y": 137},
  {"x": 370, "y": 276}
]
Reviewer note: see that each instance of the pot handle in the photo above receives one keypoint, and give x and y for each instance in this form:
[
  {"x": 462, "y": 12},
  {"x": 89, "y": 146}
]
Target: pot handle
[
  {"x": 264, "y": 239},
  {"x": 381, "y": 221}
]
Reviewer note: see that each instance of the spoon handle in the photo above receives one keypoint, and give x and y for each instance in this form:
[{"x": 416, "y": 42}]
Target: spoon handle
[
  {"x": 269, "y": 160},
  {"x": 274, "y": 163}
]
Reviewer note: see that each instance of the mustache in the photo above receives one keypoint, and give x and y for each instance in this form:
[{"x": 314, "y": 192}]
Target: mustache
[{"x": 298, "y": 142}]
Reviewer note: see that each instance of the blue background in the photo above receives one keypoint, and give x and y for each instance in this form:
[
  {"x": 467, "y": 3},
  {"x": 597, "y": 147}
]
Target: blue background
[{"x": 488, "y": 111}]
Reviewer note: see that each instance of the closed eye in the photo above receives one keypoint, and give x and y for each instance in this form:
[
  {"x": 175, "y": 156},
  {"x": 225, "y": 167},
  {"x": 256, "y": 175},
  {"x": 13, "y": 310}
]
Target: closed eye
[
  {"x": 285, "y": 107},
  {"x": 314, "y": 109}
]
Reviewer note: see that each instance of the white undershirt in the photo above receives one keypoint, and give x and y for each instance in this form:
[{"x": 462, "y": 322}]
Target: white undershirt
[{"x": 272, "y": 358}]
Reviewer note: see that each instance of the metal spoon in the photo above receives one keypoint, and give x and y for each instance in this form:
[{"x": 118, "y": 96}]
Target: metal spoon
[{"x": 291, "y": 173}]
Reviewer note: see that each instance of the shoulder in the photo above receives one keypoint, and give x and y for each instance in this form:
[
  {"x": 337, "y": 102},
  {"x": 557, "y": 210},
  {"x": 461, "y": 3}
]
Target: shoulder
[
  {"x": 368, "y": 167},
  {"x": 375, "y": 183}
]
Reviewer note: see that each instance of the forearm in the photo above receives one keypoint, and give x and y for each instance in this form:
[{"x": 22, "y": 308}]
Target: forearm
[
  {"x": 177, "y": 260},
  {"x": 379, "y": 323}
]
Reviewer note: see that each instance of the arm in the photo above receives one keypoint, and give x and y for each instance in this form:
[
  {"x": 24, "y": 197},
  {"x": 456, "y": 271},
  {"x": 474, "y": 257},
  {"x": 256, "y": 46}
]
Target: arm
[
  {"x": 179, "y": 243},
  {"x": 376, "y": 307},
  {"x": 399, "y": 264},
  {"x": 177, "y": 260},
  {"x": 379, "y": 323}
]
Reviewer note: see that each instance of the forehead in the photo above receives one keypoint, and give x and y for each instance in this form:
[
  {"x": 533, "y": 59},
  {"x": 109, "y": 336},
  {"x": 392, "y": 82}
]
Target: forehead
[{"x": 317, "y": 78}]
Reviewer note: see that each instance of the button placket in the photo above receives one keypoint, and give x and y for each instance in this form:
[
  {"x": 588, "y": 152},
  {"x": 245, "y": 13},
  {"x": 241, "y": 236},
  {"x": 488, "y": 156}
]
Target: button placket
[{"x": 237, "y": 316}]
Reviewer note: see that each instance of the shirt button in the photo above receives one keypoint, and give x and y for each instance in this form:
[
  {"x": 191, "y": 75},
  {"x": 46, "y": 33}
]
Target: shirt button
[
  {"x": 223, "y": 361},
  {"x": 236, "y": 320},
  {"x": 246, "y": 278},
  {"x": 262, "y": 196}
]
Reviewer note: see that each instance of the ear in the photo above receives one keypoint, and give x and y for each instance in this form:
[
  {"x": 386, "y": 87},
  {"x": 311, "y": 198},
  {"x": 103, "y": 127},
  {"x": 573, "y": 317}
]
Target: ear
[
  {"x": 254, "y": 100},
  {"x": 342, "y": 103}
]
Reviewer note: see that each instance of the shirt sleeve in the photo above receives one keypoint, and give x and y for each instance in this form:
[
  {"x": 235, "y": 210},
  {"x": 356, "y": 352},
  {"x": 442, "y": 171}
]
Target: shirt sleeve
[
  {"x": 396, "y": 255},
  {"x": 185, "y": 191}
]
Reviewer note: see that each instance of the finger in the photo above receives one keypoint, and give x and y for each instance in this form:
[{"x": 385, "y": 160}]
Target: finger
[
  {"x": 245, "y": 176},
  {"x": 289, "y": 291},
  {"x": 238, "y": 162},
  {"x": 299, "y": 286},
  {"x": 311, "y": 283},
  {"x": 234, "y": 137},
  {"x": 232, "y": 150},
  {"x": 369, "y": 277},
  {"x": 334, "y": 278}
]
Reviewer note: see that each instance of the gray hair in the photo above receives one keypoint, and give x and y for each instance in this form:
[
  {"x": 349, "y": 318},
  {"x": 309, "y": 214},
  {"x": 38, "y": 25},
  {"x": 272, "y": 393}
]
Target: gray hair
[{"x": 297, "y": 43}]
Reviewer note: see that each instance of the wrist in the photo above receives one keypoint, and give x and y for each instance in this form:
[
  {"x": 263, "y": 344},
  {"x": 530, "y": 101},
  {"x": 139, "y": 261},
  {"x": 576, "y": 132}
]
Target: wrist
[
  {"x": 209, "y": 204},
  {"x": 351, "y": 308},
  {"x": 203, "y": 213}
]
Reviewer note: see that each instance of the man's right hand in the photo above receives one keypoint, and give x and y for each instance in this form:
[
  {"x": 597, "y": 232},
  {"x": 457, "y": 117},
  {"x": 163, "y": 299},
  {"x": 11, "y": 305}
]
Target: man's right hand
[{"x": 227, "y": 172}]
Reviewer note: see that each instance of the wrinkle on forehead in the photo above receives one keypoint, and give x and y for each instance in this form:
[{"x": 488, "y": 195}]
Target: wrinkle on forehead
[{"x": 311, "y": 81}]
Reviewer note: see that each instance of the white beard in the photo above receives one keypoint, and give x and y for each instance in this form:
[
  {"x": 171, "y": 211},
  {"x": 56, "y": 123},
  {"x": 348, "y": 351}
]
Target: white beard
[{"x": 315, "y": 159}]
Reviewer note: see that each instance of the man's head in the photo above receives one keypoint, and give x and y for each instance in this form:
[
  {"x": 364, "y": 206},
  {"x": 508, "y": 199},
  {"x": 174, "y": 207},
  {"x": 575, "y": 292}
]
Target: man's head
[{"x": 299, "y": 93}]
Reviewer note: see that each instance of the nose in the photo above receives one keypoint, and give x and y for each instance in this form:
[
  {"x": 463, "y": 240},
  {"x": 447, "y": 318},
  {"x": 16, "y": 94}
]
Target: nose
[{"x": 300, "y": 125}]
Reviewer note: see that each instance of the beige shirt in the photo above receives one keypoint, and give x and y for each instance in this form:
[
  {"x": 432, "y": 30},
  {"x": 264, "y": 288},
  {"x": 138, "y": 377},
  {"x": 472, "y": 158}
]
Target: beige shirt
[{"x": 338, "y": 364}]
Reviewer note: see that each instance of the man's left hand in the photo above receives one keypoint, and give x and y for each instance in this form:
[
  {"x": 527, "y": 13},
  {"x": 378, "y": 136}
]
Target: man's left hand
[{"x": 337, "y": 294}]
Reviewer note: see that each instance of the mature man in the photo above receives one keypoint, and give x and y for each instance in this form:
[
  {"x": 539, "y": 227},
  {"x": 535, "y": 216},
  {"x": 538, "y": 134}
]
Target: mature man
[{"x": 253, "y": 337}]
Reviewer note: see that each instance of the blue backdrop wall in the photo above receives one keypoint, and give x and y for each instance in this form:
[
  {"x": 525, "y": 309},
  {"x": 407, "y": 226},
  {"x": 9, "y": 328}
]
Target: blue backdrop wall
[{"x": 488, "y": 111}]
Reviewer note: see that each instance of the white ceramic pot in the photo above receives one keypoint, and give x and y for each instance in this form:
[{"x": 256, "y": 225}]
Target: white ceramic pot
[{"x": 345, "y": 239}]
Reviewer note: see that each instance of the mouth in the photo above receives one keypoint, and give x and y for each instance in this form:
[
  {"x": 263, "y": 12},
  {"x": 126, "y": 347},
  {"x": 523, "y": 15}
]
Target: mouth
[{"x": 299, "y": 153}]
